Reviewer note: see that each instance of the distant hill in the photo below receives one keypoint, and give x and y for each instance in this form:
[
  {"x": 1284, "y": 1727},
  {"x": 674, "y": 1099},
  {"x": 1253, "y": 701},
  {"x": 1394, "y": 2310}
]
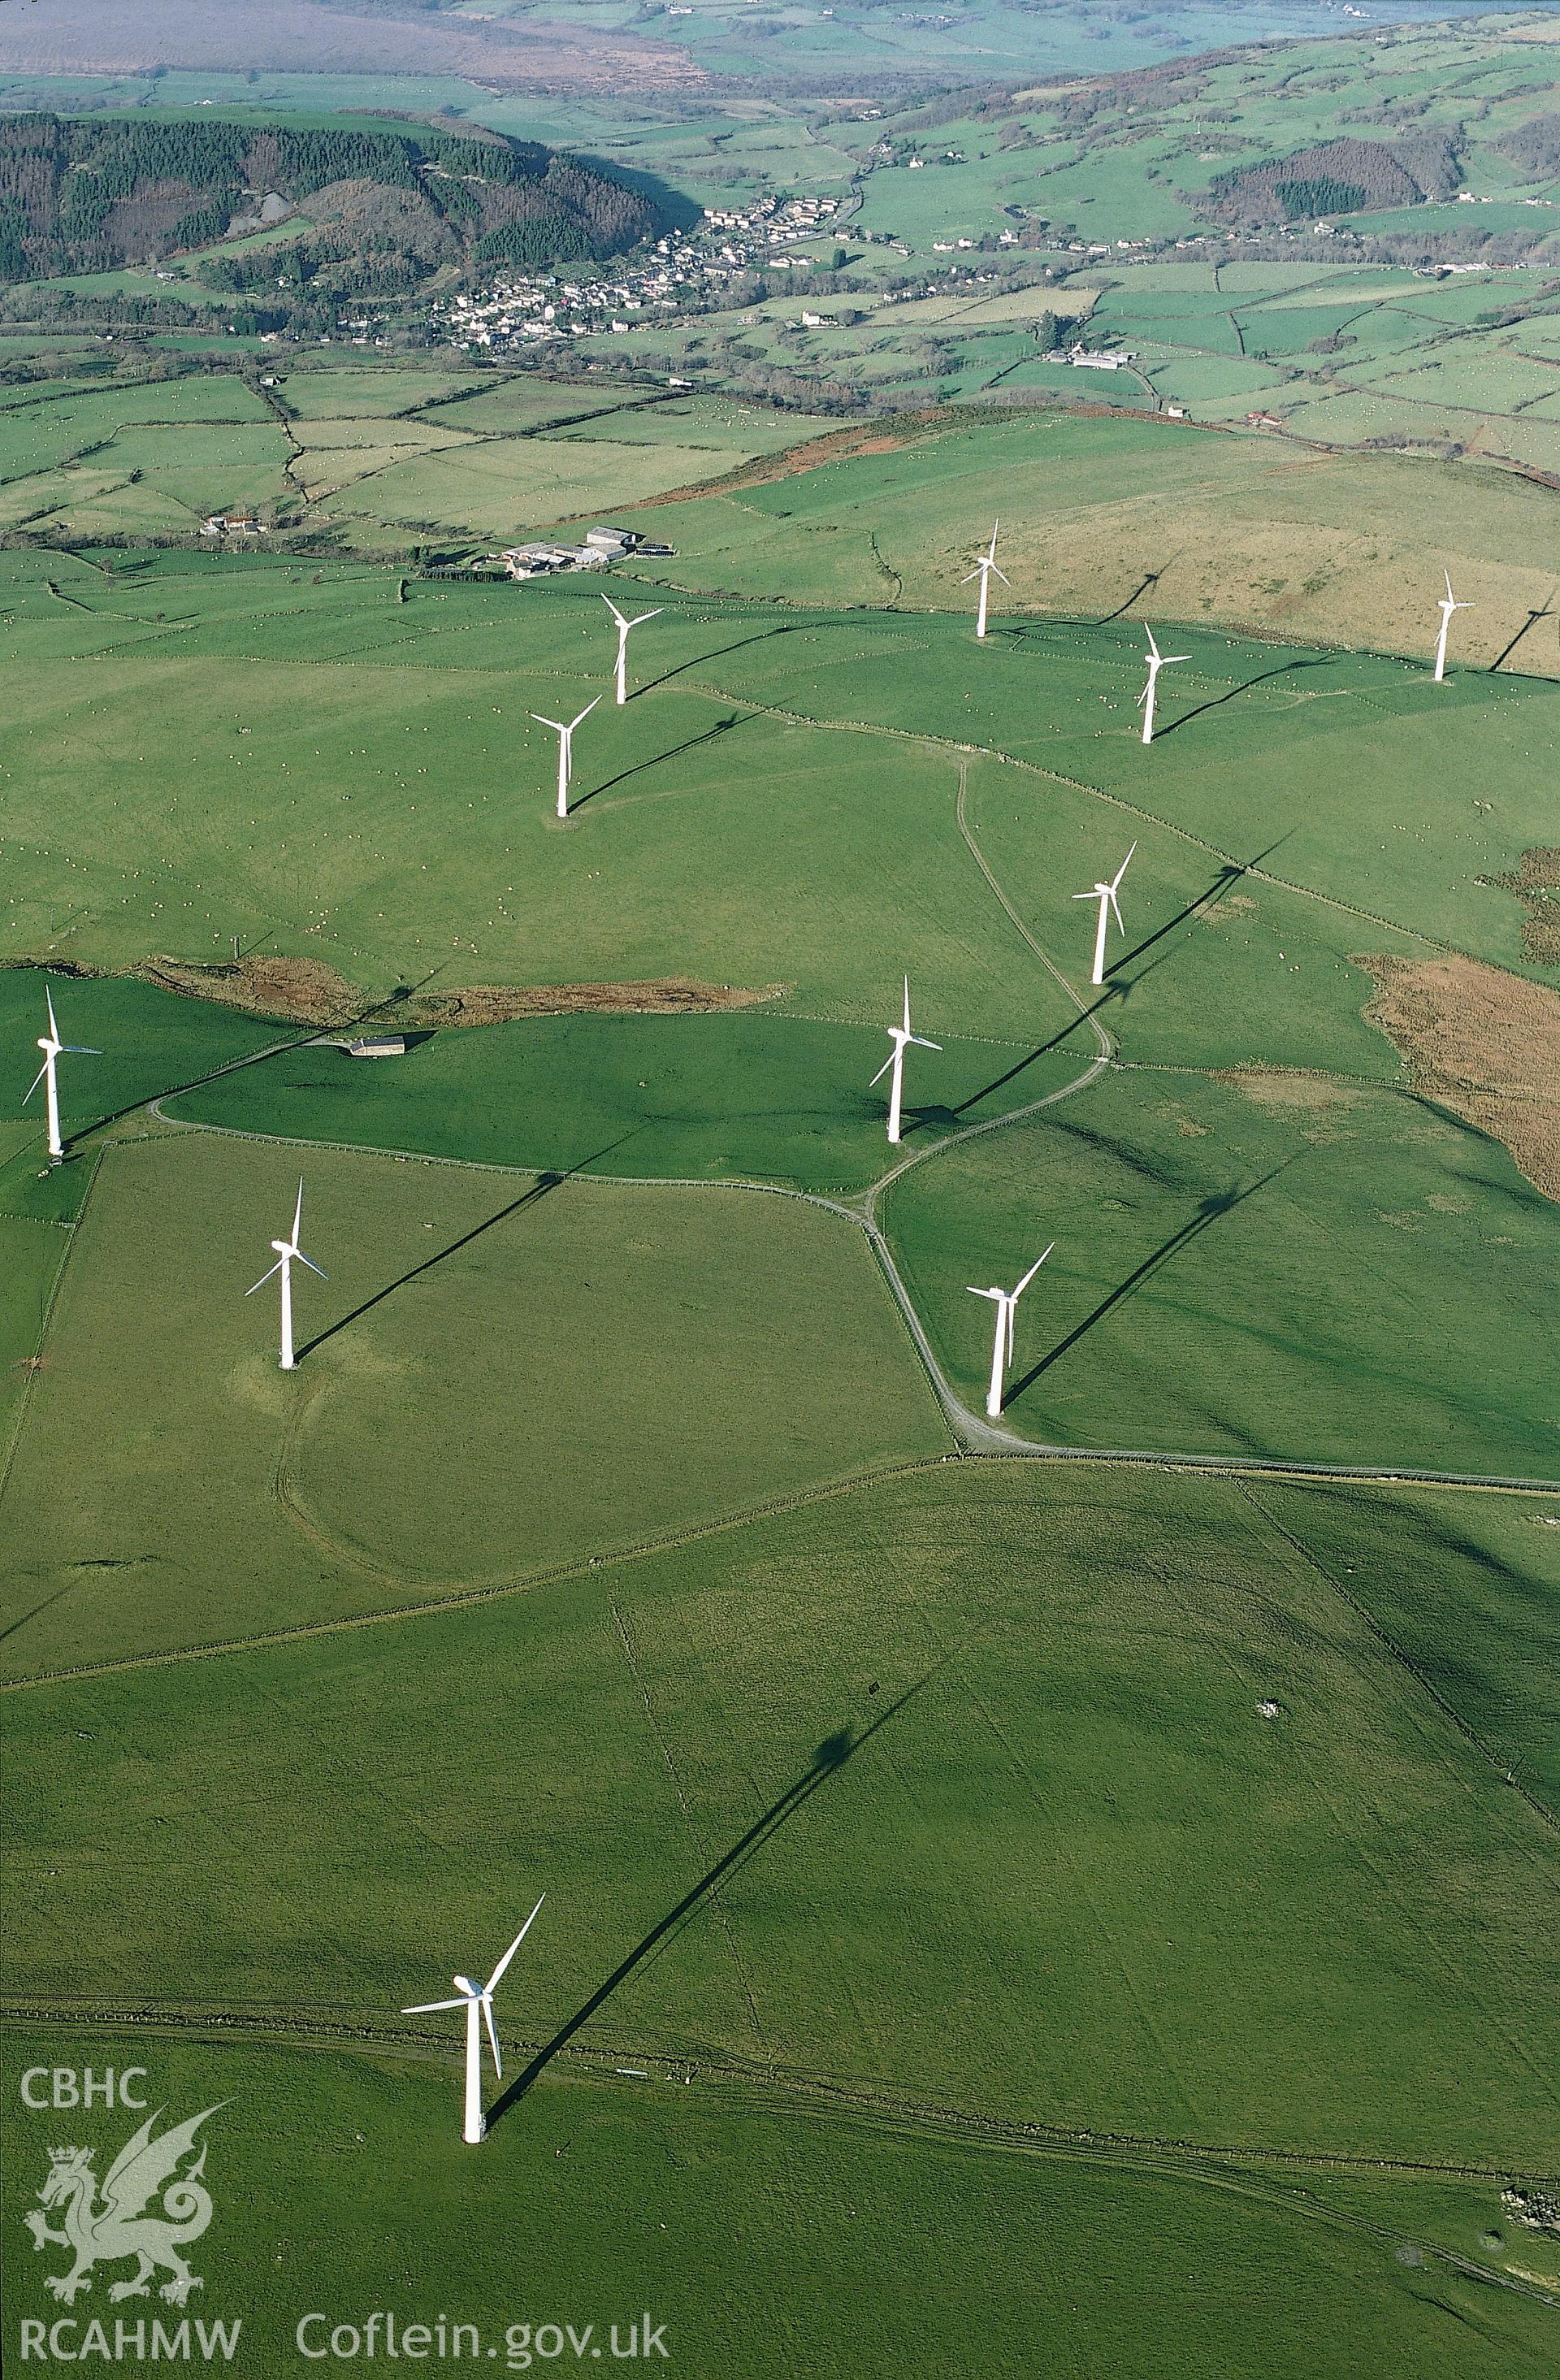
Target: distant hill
[
  {"x": 1338, "y": 177},
  {"x": 87, "y": 195}
]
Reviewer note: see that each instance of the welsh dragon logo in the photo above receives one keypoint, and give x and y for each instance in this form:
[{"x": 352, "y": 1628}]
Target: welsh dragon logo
[{"x": 103, "y": 2222}]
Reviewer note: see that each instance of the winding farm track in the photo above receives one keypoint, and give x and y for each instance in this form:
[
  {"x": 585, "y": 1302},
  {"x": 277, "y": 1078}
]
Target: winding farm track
[
  {"x": 1250, "y": 2170},
  {"x": 750, "y": 2085},
  {"x": 970, "y": 1434}
]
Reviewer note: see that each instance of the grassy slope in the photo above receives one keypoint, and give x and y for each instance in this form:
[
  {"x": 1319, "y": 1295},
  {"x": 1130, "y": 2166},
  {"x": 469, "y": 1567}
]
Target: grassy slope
[
  {"x": 710, "y": 1098},
  {"x": 536, "y": 1320},
  {"x": 1244, "y": 531},
  {"x": 1299, "y": 1269},
  {"x": 1321, "y": 1934},
  {"x": 771, "y": 2246},
  {"x": 330, "y": 796},
  {"x": 1259, "y": 877}
]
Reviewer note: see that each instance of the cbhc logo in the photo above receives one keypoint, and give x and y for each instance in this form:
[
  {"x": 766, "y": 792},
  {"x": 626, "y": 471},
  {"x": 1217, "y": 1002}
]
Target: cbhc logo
[{"x": 66, "y": 2086}]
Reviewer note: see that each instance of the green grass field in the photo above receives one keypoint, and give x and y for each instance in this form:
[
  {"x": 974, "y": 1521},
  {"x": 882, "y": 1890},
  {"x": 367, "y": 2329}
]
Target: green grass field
[
  {"x": 763, "y": 1776},
  {"x": 1075, "y": 1895},
  {"x": 840, "y": 2239}
]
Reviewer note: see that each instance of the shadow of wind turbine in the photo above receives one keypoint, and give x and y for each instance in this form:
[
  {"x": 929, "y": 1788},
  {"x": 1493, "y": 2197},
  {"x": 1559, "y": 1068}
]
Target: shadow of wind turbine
[
  {"x": 539, "y": 1188},
  {"x": 827, "y": 1763},
  {"x": 1209, "y": 1211}
]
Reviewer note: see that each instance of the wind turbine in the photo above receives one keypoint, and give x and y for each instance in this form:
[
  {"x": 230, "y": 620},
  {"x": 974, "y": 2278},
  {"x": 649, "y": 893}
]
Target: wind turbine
[
  {"x": 565, "y": 749},
  {"x": 1003, "y": 1345},
  {"x": 623, "y": 627},
  {"x": 902, "y": 1040},
  {"x": 1156, "y": 662},
  {"x": 285, "y": 1252},
  {"x": 53, "y": 1049},
  {"x": 983, "y": 571},
  {"x": 1448, "y": 605},
  {"x": 1105, "y": 896},
  {"x": 476, "y": 1999}
]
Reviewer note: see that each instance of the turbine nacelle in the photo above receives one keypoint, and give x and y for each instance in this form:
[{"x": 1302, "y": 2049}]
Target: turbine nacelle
[
  {"x": 1006, "y": 1302},
  {"x": 53, "y": 1049},
  {"x": 476, "y": 1999},
  {"x": 1110, "y": 905},
  {"x": 985, "y": 570},
  {"x": 902, "y": 1039}
]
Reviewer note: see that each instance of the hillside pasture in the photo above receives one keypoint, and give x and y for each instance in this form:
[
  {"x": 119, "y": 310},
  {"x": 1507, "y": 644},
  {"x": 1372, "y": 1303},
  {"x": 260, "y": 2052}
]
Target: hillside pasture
[
  {"x": 802, "y": 1737},
  {"x": 1274, "y": 1264},
  {"x": 536, "y": 1314},
  {"x": 864, "y": 2237}
]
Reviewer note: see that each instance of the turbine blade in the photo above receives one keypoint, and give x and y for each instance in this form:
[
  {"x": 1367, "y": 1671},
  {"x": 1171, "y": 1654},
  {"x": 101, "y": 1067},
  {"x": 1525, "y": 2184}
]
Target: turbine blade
[
  {"x": 648, "y": 615},
  {"x": 1123, "y": 870},
  {"x": 983, "y": 1293},
  {"x": 882, "y": 1070},
  {"x": 1176, "y": 657},
  {"x": 584, "y": 713},
  {"x": 49, "y": 1003},
  {"x": 1002, "y": 576},
  {"x": 613, "y": 610},
  {"x": 556, "y": 723},
  {"x": 36, "y": 1080},
  {"x": 496, "y": 1978},
  {"x": 971, "y": 574},
  {"x": 921, "y": 1043},
  {"x": 1085, "y": 896},
  {"x": 492, "y": 2035},
  {"x": 310, "y": 1263},
  {"x": 77, "y": 1050},
  {"x": 1110, "y": 896},
  {"x": 1029, "y": 1276},
  {"x": 265, "y": 1277},
  {"x": 433, "y": 2008},
  {"x": 1152, "y": 646},
  {"x": 1450, "y": 596},
  {"x": 1008, "y": 1305},
  {"x": 907, "y": 1003},
  {"x": 297, "y": 1213}
]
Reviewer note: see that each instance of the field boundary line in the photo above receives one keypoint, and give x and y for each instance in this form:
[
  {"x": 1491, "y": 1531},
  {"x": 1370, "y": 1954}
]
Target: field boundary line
[
  {"x": 982, "y": 1436},
  {"x": 24, "y": 1402},
  {"x": 932, "y": 741},
  {"x": 463, "y": 1598},
  {"x": 701, "y": 2062},
  {"x": 1234, "y": 1467}
]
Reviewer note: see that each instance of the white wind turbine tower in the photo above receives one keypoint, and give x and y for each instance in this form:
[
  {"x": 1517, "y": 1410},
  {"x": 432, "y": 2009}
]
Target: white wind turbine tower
[
  {"x": 1105, "y": 896},
  {"x": 1156, "y": 662},
  {"x": 286, "y": 1250},
  {"x": 53, "y": 1049},
  {"x": 623, "y": 627},
  {"x": 902, "y": 1039},
  {"x": 478, "y": 2001},
  {"x": 1447, "y": 604},
  {"x": 1003, "y": 1345},
  {"x": 565, "y": 749},
  {"x": 983, "y": 571}
]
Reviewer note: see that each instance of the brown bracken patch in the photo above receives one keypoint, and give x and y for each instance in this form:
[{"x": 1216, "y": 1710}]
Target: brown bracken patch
[
  {"x": 502, "y": 1005},
  {"x": 308, "y": 991},
  {"x": 299, "y": 992},
  {"x": 1536, "y": 883},
  {"x": 1485, "y": 1044}
]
